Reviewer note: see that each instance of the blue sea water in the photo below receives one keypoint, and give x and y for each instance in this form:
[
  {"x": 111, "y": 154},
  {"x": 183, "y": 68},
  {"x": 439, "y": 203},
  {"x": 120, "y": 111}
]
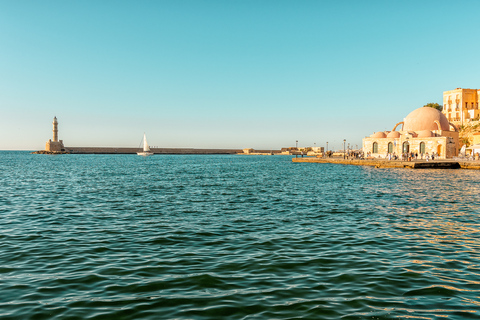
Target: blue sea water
[{"x": 234, "y": 237}]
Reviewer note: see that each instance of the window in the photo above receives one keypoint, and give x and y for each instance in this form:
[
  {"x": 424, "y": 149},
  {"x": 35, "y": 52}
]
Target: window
[
  {"x": 390, "y": 147},
  {"x": 422, "y": 147},
  {"x": 375, "y": 148}
]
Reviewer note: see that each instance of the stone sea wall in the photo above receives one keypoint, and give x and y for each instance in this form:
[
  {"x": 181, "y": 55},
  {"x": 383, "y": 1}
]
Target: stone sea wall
[{"x": 112, "y": 150}]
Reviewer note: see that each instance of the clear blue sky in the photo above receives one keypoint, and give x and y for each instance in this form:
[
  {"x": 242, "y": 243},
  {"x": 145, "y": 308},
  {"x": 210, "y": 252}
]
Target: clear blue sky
[{"x": 226, "y": 74}]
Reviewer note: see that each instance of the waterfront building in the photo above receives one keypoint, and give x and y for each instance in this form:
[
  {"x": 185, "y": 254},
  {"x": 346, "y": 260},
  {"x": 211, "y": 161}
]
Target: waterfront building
[
  {"x": 54, "y": 145},
  {"x": 460, "y": 106},
  {"x": 424, "y": 130}
]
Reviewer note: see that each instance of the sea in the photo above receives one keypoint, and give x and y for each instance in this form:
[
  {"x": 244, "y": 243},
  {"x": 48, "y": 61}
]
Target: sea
[{"x": 234, "y": 237}]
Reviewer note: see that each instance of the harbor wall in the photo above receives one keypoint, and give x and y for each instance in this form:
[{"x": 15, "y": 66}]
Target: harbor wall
[
  {"x": 441, "y": 164},
  {"x": 112, "y": 150}
]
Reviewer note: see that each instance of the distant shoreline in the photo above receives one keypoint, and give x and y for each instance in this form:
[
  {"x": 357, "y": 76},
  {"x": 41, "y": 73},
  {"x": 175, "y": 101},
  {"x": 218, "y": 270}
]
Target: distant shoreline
[{"x": 111, "y": 150}]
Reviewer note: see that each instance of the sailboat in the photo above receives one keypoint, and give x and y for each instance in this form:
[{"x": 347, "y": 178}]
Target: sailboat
[{"x": 146, "y": 148}]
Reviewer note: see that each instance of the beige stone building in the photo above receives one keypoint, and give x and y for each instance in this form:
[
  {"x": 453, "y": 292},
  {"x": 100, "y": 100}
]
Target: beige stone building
[
  {"x": 55, "y": 145},
  {"x": 424, "y": 130},
  {"x": 461, "y": 105}
]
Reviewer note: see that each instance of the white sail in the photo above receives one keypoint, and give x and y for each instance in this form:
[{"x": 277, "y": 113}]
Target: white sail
[{"x": 146, "y": 148}]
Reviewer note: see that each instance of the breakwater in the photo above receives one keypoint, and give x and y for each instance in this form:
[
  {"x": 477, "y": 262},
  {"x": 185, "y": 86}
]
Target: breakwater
[
  {"x": 112, "y": 150},
  {"x": 380, "y": 163}
]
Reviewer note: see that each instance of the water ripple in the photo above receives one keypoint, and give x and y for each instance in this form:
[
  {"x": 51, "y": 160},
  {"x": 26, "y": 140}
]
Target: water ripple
[{"x": 215, "y": 237}]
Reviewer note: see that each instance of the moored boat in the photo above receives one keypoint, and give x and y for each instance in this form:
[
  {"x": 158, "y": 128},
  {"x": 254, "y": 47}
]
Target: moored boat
[{"x": 146, "y": 149}]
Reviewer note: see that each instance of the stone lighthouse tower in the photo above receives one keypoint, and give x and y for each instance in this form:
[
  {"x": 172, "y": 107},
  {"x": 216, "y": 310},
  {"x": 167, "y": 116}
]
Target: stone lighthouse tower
[
  {"x": 55, "y": 145},
  {"x": 55, "y": 129}
]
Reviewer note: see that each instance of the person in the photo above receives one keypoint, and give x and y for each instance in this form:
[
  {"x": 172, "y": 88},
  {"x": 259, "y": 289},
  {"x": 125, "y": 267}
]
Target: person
[
  {"x": 416, "y": 155},
  {"x": 433, "y": 156},
  {"x": 427, "y": 157}
]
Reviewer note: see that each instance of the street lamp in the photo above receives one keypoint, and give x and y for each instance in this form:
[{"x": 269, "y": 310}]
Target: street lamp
[{"x": 344, "y": 148}]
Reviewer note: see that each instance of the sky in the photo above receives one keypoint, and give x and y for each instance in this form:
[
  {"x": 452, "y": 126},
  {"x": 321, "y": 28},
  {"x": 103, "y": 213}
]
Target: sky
[{"x": 226, "y": 74}]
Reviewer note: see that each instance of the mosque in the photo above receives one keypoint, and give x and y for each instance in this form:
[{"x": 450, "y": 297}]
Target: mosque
[
  {"x": 424, "y": 130},
  {"x": 55, "y": 145}
]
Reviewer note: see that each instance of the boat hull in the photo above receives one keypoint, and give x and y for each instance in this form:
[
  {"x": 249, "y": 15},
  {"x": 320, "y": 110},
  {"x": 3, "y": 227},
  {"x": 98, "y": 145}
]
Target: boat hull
[{"x": 145, "y": 154}]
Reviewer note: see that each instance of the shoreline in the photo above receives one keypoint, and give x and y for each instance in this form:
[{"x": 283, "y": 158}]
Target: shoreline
[{"x": 414, "y": 164}]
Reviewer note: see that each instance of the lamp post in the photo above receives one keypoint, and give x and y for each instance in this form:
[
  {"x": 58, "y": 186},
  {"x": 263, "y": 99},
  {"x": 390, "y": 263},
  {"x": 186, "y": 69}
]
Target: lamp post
[{"x": 344, "y": 148}]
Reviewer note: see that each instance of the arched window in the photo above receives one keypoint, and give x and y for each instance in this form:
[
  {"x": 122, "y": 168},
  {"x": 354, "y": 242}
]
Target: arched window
[
  {"x": 422, "y": 147},
  {"x": 406, "y": 147},
  {"x": 390, "y": 147},
  {"x": 375, "y": 148}
]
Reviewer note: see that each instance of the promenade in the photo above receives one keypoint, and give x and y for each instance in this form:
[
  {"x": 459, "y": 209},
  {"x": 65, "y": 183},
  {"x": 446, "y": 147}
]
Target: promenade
[{"x": 382, "y": 163}]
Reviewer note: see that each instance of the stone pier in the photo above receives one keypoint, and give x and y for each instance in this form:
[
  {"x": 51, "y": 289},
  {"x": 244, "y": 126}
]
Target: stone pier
[{"x": 379, "y": 163}]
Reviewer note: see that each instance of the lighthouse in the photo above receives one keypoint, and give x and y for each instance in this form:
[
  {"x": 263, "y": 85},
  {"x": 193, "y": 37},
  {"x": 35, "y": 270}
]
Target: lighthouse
[
  {"x": 55, "y": 145},
  {"x": 55, "y": 129}
]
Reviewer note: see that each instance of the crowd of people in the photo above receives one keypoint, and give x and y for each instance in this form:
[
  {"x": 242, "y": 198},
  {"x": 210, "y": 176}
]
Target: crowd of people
[{"x": 406, "y": 156}]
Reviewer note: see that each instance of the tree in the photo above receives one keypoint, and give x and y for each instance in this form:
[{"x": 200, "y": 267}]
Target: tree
[{"x": 434, "y": 105}]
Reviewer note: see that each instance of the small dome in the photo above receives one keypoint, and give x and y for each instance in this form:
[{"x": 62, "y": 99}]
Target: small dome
[
  {"x": 393, "y": 134},
  {"x": 426, "y": 118},
  {"x": 425, "y": 134},
  {"x": 379, "y": 134}
]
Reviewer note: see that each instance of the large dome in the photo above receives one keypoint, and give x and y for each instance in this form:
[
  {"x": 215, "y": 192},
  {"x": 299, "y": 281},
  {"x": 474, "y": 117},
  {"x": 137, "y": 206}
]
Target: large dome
[{"x": 425, "y": 118}]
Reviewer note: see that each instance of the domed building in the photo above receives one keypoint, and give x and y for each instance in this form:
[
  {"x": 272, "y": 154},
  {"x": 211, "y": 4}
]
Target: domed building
[{"x": 424, "y": 130}]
